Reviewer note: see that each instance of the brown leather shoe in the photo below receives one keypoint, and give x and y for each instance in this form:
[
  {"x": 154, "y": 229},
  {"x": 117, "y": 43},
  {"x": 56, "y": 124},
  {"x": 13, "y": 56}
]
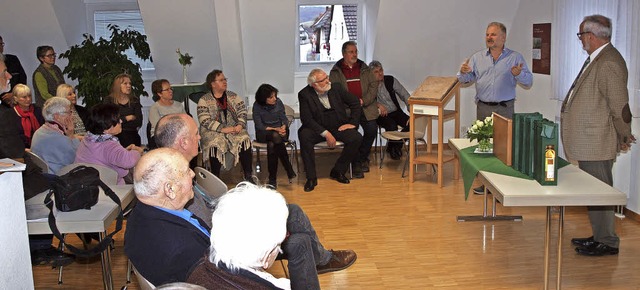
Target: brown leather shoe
[{"x": 340, "y": 260}]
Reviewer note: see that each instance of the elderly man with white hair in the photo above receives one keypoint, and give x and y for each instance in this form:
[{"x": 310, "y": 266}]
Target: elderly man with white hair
[
  {"x": 238, "y": 258},
  {"x": 55, "y": 141}
]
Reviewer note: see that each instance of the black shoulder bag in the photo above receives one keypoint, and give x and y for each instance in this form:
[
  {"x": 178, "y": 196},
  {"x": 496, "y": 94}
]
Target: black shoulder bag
[{"x": 79, "y": 189}]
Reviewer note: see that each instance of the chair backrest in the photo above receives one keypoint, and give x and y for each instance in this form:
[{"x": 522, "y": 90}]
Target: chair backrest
[
  {"x": 290, "y": 114},
  {"x": 212, "y": 184},
  {"x": 38, "y": 162},
  {"x": 143, "y": 283},
  {"x": 323, "y": 145},
  {"x": 107, "y": 175},
  {"x": 193, "y": 97},
  {"x": 420, "y": 126}
]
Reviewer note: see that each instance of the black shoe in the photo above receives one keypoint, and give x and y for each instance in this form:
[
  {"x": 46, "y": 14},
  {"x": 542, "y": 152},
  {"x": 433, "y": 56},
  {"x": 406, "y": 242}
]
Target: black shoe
[
  {"x": 340, "y": 176},
  {"x": 310, "y": 184},
  {"x": 250, "y": 178},
  {"x": 272, "y": 183},
  {"x": 479, "y": 190},
  {"x": 597, "y": 249},
  {"x": 398, "y": 151},
  {"x": 356, "y": 170},
  {"x": 291, "y": 175},
  {"x": 583, "y": 242},
  {"x": 394, "y": 155},
  {"x": 364, "y": 166}
]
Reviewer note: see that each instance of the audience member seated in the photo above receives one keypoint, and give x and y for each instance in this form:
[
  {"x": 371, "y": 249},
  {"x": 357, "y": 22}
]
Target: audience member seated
[
  {"x": 130, "y": 110},
  {"x": 223, "y": 126},
  {"x": 15, "y": 69},
  {"x": 12, "y": 145},
  {"x": 47, "y": 76},
  {"x": 56, "y": 144},
  {"x": 100, "y": 146},
  {"x": 272, "y": 127},
  {"x": 30, "y": 115},
  {"x": 239, "y": 259},
  {"x": 55, "y": 141},
  {"x": 328, "y": 113},
  {"x": 303, "y": 249},
  {"x": 390, "y": 93},
  {"x": 79, "y": 113},
  {"x": 163, "y": 240},
  {"x": 164, "y": 106}
]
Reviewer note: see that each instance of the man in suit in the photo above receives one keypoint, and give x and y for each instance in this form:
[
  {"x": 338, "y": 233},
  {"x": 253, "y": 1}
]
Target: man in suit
[
  {"x": 324, "y": 116},
  {"x": 18, "y": 76},
  {"x": 596, "y": 125}
]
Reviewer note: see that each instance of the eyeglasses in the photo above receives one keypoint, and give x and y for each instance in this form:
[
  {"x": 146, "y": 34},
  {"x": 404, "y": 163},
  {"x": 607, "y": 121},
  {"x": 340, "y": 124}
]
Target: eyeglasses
[
  {"x": 222, "y": 80},
  {"x": 51, "y": 55},
  {"x": 167, "y": 89},
  {"x": 322, "y": 80},
  {"x": 579, "y": 34}
]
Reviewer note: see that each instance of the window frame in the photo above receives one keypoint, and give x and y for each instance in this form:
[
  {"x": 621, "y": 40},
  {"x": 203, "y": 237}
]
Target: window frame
[{"x": 302, "y": 67}]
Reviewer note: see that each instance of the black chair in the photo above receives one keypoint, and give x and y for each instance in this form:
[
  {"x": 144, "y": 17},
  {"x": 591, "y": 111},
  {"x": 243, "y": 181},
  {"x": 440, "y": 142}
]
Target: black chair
[{"x": 194, "y": 97}]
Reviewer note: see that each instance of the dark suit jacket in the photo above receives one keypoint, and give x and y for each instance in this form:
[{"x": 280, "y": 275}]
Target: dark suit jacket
[
  {"x": 18, "y": 76},
  {"x": 83, "y": 113},
  {"x": 596, "y": 119},
  {"x": 311, "y": 108},
  {"x": 161, "y": 246}
]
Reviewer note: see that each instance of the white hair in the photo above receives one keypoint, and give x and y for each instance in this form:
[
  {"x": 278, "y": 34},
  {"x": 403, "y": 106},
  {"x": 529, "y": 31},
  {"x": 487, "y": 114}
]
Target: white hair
[
  {"x": 55, "y": 105},
  {"x": 150, "y": 176},
  {"x": 248, "y": 223},
  {"x": 312, "y": 75}
]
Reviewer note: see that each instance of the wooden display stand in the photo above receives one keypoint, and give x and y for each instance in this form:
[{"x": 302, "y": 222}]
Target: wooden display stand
[{"x": 429, "y": 99}]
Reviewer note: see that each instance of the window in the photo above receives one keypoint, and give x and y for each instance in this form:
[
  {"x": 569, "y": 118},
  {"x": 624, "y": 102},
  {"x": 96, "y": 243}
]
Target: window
[
  {"x": 128, "y": 19},
  {"x": 323, "y": 28}
]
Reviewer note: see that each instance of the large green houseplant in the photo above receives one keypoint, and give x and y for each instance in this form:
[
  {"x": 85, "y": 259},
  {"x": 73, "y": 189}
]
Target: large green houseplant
[{"x": 95, "y": 63}]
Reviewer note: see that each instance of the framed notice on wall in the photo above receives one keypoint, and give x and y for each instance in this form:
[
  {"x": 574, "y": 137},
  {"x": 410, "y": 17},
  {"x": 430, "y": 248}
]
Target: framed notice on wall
[{"x": 541, "y": 53}]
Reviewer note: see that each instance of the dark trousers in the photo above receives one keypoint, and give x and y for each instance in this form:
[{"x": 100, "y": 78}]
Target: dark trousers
[
  {"x": 370, "y": 132},
  {"x": 127, "y": 138},
  {"x": 245, "y": 161},
  {"x": 308, "y": 138},
  {"x": 303, "y": 250},
  {"x": 602, "y": 218},
  {"x": 390, "y": 122},
  {"x": 276, "y": 149},
  {"x": 483, "y": 110}
]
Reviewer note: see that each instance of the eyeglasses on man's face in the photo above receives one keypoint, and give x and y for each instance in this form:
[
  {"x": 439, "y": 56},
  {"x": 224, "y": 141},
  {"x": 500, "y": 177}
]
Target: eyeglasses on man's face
[{"x": 579, "y": 34}]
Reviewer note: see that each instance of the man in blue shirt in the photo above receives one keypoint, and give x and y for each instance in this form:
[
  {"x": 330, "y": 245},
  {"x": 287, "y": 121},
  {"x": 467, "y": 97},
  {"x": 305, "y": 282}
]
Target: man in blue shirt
[{"x": 496, "y": 72}]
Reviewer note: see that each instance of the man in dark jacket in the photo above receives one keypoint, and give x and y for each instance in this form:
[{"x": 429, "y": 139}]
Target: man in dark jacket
[
  {"x": 18, "y": 76},
  {"x": 328, "y": 114}
]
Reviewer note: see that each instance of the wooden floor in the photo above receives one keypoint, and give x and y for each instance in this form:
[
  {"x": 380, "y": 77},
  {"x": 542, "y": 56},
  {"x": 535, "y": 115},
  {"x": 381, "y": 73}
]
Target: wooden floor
[{"x": 407, "y": 237}]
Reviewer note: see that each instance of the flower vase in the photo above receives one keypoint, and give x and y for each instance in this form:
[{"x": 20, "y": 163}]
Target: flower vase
[
  {"x": 184, "y": 74},
  {"x": 484, "y": 145}
]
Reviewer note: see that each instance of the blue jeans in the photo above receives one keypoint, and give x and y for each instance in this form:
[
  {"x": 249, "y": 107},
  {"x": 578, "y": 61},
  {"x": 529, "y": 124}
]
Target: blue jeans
[{"x": 303, "y": 250}]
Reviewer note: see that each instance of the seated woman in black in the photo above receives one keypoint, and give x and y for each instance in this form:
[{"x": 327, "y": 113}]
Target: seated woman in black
[{"x": 272, "y": 127}]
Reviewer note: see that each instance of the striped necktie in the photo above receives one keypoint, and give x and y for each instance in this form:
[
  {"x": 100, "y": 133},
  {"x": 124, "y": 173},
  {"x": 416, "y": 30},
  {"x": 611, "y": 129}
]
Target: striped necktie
[{"x": 586, "y": 62}]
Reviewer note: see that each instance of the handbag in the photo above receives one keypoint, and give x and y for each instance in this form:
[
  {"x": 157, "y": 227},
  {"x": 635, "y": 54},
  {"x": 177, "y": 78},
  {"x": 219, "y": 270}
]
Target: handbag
[{"x": 79, "y": 189}]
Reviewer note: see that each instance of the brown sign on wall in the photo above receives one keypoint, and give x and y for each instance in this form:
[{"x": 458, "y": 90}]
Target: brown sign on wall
[{"x": 541, "y": 53}]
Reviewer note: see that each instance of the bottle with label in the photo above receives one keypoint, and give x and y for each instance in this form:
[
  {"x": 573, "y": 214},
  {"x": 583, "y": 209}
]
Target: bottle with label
[{"x": 549, "y": 163}]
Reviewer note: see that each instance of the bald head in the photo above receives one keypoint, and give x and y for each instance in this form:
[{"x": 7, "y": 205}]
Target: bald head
[
  {"x": 162, "y": 178},
  {"x": 180, "y": 132}
]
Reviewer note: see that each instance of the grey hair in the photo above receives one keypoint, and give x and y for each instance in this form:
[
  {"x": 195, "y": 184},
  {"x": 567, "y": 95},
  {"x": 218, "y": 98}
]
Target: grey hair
[
  {"x": 599, "y": 25},
  {"x": 348, "y": 43},
  {"x": 261, "y": 213},
  {"x": 55, "y": 105},
  {"x": 169, "y": 129},
  {"x": 312, "y": 75},
  {"x": 375, "y": 64},
  {"x": 499, "y": 25},
  {"x": 149, "y": 177},
  {"x": 180, "y": 286}
]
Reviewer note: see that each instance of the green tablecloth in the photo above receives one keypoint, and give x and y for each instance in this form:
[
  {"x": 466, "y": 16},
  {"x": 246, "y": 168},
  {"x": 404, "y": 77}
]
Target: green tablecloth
[{"x": 471, "y": 163}]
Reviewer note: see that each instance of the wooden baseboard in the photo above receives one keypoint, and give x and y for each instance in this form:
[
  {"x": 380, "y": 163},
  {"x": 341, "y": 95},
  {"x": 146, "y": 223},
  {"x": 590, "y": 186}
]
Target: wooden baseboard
[{"x": 631, "y": 215}]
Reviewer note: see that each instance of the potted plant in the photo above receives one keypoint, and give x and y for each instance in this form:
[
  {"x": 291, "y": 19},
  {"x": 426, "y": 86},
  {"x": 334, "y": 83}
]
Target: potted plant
[{"x": 95, "y": 63}]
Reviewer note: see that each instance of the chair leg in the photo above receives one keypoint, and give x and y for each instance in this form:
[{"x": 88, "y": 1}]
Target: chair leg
[
  {"x": 61, "y": 248},
  {"x": 258, "y": 165},
  {"x": 382, "y": 152},
  {"x": 129, "y": 270}
]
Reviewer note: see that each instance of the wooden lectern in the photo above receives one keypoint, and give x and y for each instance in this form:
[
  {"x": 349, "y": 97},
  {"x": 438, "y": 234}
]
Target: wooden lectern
[{"x": 429, "y": 99}]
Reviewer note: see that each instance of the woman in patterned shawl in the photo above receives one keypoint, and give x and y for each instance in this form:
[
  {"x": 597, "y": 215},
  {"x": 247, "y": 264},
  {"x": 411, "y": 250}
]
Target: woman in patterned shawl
[{"x": 223, "y": 127}]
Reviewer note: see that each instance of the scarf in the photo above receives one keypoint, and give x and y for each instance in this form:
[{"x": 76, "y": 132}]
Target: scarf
[
  {"x": 222, "y": 102},
  {"x": 100, "y": 138},
  {"x": 29, "y": 121}
]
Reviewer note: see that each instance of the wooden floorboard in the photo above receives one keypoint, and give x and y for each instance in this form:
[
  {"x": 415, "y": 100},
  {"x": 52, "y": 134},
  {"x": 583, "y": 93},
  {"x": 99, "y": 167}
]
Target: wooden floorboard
[{"x": 407, "y": 237}]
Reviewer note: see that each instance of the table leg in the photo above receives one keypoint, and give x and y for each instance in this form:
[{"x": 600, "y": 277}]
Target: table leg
[
  {"x": 485, "y": 216},
  {"x": 547, "y": 234},
  {"x": 105, "y": 260},
  {"x": 560, "y": 229}
]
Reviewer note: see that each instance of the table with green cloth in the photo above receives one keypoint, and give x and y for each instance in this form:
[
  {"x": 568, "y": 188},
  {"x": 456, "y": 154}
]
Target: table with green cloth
[{"x": 471, "y": 163}]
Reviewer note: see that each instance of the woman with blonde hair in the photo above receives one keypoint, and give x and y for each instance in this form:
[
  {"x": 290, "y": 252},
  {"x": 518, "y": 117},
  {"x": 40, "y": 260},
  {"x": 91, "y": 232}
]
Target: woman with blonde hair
[
  {"x": 30, "y": 115},
  {"x": 129, "y": 108},
  {"x": 79, "y": 113}
]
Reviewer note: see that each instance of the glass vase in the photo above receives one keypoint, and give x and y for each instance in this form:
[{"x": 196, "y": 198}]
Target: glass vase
[
  {"x": 484, "y": 145},
  {"x": 184, "y": 74}
]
